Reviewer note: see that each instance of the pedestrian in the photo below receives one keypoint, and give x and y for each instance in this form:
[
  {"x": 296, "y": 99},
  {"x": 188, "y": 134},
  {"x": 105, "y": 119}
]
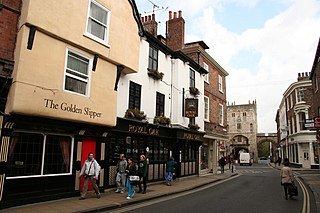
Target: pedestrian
[
  {"x": 286, "y": 176},
  {"x": 90, "y": 170},
  {"x": 279, "y": 161},
  {"x": 229, "y": 161},
  {"x": 170, "y": 169},
  {"x": 222, "y": 163},
  {"x": 121, "y": 174},
  {"x": 143, "y": 173},
  {"x": 131, "y": 171}
]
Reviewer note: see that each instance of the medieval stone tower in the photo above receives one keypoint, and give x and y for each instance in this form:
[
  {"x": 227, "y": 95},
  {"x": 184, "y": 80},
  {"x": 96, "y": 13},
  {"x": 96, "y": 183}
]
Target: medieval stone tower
[{"x": 243, "y": 127}]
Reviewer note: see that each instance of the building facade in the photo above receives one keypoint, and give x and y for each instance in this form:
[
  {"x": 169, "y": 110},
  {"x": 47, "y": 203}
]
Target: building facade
[
  {"x": 243, "y": 126},
  {"x": 299, "y": 144},
  {"x": 62, "y": 100}
]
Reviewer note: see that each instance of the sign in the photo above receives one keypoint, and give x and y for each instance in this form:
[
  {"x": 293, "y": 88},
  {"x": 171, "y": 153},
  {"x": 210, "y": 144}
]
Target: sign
[
  {"x": 317, "y": 122},
  {"x": 309, "y": 123},
  {"x": 191, "y": 108}
]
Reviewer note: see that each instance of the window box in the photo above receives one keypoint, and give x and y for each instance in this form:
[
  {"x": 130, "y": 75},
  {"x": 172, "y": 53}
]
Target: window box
[
  {"x": 162, "y": 120},
  {"x": 194, "y": 91},
  {"x": 155, "y": 74},
  {"x": 194, "y": 127},
  {"x": 135, "y": 114}
]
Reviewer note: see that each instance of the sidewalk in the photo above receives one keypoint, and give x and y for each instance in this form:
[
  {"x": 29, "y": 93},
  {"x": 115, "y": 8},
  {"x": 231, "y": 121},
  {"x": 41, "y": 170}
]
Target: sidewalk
[{"x": 111, "y": 200}]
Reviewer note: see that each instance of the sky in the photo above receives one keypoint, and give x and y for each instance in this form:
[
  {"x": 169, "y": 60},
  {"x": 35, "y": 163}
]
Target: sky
[{"x": 262, "y": 44}]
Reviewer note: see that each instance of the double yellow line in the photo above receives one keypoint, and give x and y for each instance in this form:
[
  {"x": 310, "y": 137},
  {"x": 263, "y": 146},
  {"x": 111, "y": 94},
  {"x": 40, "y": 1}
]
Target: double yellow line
[{"x": 306, "y": 197}]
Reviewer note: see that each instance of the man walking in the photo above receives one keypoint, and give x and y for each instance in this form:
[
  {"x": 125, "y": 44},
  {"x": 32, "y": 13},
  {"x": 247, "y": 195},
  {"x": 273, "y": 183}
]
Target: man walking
[
  {"x": 90, "y": 171},
  {"x": 121, "y": 175}
]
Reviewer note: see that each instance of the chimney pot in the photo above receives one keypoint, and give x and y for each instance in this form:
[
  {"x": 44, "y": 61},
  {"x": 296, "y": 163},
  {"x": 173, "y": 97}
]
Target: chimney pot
[
  {"x": 149, "y": 17},
  {"x": 175, "y": 15},
  {"x": 180, "y": 14},
  {"x": 142, "y": 19},
  {"x": 153, "y": 17},
  {"x": 170, "y": 15}
]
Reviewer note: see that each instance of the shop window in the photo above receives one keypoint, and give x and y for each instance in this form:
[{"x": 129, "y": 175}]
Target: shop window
[
  {"x": 77, "y": 73},
  {"x": 35, "y": 154},
  {"x": 160, "y": 99},
  {"x": 161, "y": 151},
  {"x": 134, "y": 96},
  {"x": 98, "y": 22}
]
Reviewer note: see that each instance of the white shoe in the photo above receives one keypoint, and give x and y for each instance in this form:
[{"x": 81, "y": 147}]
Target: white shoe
[
  {"x": 122, "y": 192},
  {"x": 117, "y": 191},
  {"x": 128, "y": 198}
]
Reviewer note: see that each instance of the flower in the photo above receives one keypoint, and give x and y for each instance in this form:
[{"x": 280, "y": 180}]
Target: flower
[
  {"x": 163, "y": 120},
  {"x": 135, "y": 113}
]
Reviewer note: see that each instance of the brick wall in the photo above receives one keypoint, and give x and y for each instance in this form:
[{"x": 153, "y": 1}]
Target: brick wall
[{"x": 9, "y": 16}]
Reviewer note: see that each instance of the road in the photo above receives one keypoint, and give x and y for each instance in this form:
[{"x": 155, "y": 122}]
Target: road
[{"x": 256, "y": 189}]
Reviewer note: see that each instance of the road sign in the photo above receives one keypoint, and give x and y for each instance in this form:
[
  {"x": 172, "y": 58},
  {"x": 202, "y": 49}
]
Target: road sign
[{"x": 309, "y": 123}]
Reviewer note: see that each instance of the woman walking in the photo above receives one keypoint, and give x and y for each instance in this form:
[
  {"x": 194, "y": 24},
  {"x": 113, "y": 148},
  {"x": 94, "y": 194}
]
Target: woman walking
[
  {"x": 170, "y": 168},
  {"x": 143, "y": 173},
  {"x": 130, "y": 171},
  {"x": 287, "y": 178}
]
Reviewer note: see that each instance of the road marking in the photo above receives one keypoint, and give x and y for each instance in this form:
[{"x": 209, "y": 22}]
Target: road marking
[{"x": 306, "y": 197}]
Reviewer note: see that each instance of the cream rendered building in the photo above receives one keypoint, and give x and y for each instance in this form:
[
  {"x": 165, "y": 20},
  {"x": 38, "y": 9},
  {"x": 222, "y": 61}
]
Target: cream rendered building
[{"x": 62, "y": 101}]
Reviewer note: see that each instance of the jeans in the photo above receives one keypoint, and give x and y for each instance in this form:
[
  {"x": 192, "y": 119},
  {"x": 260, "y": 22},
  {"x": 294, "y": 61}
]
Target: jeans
[
  {"x": 130, "y": 188},
  {"x": 121, "y": 181},
  {"x": 85, "y": 186}
]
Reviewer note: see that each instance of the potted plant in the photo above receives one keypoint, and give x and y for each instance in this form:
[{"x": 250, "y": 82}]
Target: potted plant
[
  {"x": 194, "y": 90},
  {"x": 162, "y": 120},
  {"x": 194, "y": 127},
  {"x": 155, "y": 74},
  {"x": 135, "y": 114}
]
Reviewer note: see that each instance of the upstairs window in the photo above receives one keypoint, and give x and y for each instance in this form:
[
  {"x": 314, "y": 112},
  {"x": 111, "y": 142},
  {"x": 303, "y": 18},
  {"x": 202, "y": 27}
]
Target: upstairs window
[
  {"x": 221, "y": 114},
  {"x": 206, "y": 67},
  {"x": 302, "y": 118},
  {"x": 77, "y": 73},
  {"x": 233, "y": 114},
  {"x": 98, "y": 22},
  {"x": 160, "y": 104},
  {"x": 300, "y": 94},
  {"x": 192, "y": 78},
  {"x": 134, "y": 96},
  {"x": 220, "y": 83},
  {"x": 153, "y": 59},
  {"x": 206, "y": 108}
]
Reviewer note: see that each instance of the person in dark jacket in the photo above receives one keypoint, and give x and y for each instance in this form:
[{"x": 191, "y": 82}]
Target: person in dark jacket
[
  {"x": 143, "y": 173},
  {"x": 130, "y": 171},
  {"x": 222, "y": 163},
  {"x": 170, "y": 168}
]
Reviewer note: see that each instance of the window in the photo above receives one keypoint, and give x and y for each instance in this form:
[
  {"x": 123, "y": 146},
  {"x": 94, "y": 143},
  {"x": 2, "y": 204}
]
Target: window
[
  {"x": 221, "y": 114},
  {"x": 238, "y": 126},
  {"x": 315, "y": 82},
  {"x": 206, "y": 108},
  {"x": 302, "y": 118},
  {"x": 220, "y": 83},
  {"x": 291, "y": 101},
  {"x": 159, "y": 104},
  {"x": 134, "y": 95},
  {"x": 192, "y": 78},
  {"x": 77, "y": 73},
  {"x": 244, "y": 114},
  {"x": 36, "y": 154},
  {"x": 206, "y": 67},
  {"x": 98, "y": 22},
  {"x": 153, "y": 58},
  {"x": 251, "y": 127},
  {"x": 300, "y": 95},
  {"x": 233, "y": 114}
]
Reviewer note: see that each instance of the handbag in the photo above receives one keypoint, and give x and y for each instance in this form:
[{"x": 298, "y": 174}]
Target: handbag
[
  {"x": 134, "y": 178},
  {"x": 293, "y": 190}
]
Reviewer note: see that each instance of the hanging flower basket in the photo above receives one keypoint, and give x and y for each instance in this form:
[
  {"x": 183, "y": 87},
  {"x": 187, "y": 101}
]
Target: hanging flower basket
[
  {"x": 194, "y": 91},
  {"x": 135, "y": 114},
  {"x": 194, "y": 127},
  {"x": 162, "y": 120},
  {"x": 155, "y": 74}
]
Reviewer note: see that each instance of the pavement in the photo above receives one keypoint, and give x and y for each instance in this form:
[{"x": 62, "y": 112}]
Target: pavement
[{"x": 110, "y": 200}]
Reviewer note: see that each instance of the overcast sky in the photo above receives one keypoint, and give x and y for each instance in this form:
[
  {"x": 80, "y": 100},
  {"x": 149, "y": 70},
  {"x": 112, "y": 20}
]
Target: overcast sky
[{"x": 262, "y": 44}]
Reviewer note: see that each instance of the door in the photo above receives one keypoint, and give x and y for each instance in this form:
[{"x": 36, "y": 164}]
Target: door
[{"x": 88, "y": 145}]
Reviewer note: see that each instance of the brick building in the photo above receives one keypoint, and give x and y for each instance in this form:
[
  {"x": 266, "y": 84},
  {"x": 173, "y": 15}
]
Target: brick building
[{"x": 315, "y": 79}]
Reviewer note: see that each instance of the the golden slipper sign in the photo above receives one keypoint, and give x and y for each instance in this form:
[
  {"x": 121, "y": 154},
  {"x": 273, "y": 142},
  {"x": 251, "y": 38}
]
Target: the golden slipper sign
[{"x": 72, "y": 108}]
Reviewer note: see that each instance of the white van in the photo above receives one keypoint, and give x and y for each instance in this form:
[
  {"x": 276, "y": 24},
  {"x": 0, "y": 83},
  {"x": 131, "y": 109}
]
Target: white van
[{"x": 245, "y": 159}]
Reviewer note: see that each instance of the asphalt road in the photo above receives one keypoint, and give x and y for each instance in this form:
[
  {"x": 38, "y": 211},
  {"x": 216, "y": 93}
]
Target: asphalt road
[{"x": 256, "y": 190}]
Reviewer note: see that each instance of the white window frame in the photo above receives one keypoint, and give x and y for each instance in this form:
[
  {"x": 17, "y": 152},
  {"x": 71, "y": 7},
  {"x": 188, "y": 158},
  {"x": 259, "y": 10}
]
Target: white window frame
[
  {"x": 206, "y": 108},
  {"x": 220, "y": 83},
  {"x": 221, "y": 114},
  {"x": 206, "y": 76},
  {"x": 291, "y": 101},
  {"x": 299, "y": 96},
  {"x": 104, "y": 41},
  {"x": 69, "y": 74}
]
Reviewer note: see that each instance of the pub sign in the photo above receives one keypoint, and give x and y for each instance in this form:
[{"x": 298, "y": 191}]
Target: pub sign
[{"x": 191, "y": 107}]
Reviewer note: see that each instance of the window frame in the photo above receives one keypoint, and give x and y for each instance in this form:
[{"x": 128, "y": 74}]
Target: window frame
[
  {"x": 135, "y": 97},
  {"x": 206, "y": 114},
  {"x": 151, "y": 56},
  {"x": 90, "y": 59},
  {"x": 42, "y": 174},
  {"x": 160, "y": 98},
  {"x": 192, "y": 78},
  {"x": 206, "y": 76},
  {"x": 300, "y": 94},
  {"x": 220, "y": 83},
  {"x": 107, "y": 25},
  {"x": 221, "y": 117}
]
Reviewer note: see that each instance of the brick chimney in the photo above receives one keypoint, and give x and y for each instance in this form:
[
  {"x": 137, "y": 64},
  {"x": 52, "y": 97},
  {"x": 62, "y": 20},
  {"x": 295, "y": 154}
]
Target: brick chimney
[
  {"x": 150, "y": 24},
  {"x": 175, "y": 31},
  {"x": 303, "y": 76}
]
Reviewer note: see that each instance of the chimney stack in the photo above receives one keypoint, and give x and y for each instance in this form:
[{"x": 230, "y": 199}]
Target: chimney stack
[
  {"x": 175, "y": 31},
  {"x": 149, "y": 23}
]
